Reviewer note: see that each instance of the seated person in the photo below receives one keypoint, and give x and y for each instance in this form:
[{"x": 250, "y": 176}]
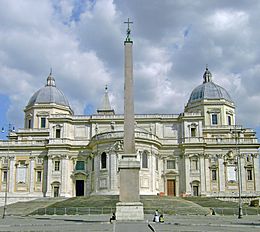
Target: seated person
[
  {"x": 113, "y": 217},
  {"x": 161, "y": 219}
]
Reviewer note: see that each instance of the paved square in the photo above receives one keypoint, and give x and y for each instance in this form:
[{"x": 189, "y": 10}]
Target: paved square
[{"x": 101, "y": 223}]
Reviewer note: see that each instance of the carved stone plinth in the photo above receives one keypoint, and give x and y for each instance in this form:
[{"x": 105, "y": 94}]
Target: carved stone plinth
[{"x": 129, "y": 211}]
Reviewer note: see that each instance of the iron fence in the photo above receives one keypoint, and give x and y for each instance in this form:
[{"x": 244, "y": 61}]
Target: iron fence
[{"x": 172, "y": 211}]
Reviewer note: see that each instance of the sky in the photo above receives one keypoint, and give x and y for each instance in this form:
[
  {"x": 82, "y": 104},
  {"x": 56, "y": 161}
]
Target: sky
[{"x": 82, "y": 41}]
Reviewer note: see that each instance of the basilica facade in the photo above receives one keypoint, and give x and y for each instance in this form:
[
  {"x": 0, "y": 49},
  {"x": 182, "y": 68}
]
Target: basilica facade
[{"x": 199, "y": 152}]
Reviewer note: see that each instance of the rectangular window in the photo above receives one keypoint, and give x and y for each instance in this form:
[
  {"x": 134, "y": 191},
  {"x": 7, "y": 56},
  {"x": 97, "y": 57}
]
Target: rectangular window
[
  {"x": 39, "y": 176},
  {"x": 39, "y": 161},
  {"x": 156, "y": 163},
  {"x": 29, "y": 123},
  {"x": 4, "y": 176},
  {"x": 5, "y": 161},
  {"x": 249, "y": 174},
  {"x": 57, "y": 165},
  {"x": 214, "y": 119},
  {"x": 229, "y": 120},
  {"x": 231, "y": 174},
  {"x": 103, "y": 160},
  {"x": 43, "y": 122},
  {"x": 57, "y": 133},
  {"x": 80, "y": 166},
  {"x": 21, "y": 172},
  {"x": 193, "y": 131},
  {"x": 144, "y": 160},
  {"x": 194, "y": 164},
  {"x": 213, "y": 174},
  {"x": 170, "y": 164}
]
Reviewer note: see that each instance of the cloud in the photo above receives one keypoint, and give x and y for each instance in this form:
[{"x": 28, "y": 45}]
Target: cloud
[{"x": 173, "y": 41}]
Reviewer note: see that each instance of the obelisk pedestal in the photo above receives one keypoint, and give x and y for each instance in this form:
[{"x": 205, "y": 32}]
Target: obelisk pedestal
[{"x": 129, "y": 208}]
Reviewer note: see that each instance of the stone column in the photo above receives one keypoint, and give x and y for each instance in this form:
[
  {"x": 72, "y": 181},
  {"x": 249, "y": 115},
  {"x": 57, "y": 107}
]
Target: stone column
[{"x": 31, "y": 184}]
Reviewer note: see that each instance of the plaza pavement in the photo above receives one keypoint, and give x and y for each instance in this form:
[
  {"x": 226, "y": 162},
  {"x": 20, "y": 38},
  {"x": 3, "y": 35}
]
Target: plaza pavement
[{"x": 101, "y": 223}]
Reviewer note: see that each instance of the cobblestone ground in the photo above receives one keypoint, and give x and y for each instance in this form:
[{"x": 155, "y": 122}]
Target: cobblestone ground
[{"x": 101, "y": 223}]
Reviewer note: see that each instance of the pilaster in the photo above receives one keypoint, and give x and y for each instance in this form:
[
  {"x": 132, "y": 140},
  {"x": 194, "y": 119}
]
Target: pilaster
[
  {"x": 12, "y": 174},
  {"x": 221, "y": 175},
  {"x": 256, "y": 173},
  {"x": 49, "y": 176},
  {"x": 202, "y": 175},
  {"x": 187, "y": 174},
  {"x": 64, "y": 175},
  {"x": 32, "y": 173}
]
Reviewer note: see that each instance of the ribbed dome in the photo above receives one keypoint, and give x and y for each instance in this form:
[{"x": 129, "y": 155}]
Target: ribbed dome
[
  {"x": 49, "y": 94},
  {"x": 209, "y": 90}
]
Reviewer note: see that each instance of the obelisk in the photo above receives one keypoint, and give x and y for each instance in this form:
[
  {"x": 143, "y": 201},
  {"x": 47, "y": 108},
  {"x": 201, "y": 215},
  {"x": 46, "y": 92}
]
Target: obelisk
[{"x": 129, "y": 208}]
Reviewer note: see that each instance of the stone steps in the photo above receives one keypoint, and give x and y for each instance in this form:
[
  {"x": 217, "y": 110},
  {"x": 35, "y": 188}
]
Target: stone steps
[
  {"x": 166, "y": 205},
  {"x": 25, "y": 208}
]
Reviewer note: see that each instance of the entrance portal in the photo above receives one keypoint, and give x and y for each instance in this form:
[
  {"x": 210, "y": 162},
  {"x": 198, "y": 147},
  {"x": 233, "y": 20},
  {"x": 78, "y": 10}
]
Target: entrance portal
[
  {"x": 79, "y": 187},
  {"x": 56, "y": 191},
  {"x": 195, "y": 191},
  {"x": 171, "y": 187}
]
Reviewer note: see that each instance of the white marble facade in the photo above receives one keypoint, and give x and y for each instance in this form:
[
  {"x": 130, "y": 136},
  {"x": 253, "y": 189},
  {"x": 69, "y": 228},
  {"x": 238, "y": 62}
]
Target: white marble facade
[{"x": 192, "y": 153}]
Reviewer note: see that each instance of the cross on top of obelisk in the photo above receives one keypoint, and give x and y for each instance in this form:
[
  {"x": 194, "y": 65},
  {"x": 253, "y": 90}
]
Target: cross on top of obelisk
[{"x": 128, "y": 31}]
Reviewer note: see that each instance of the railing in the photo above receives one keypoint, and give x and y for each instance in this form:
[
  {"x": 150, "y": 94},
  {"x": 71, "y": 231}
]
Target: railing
[
  {"x": 74, "y": 211},
  {"x": 68, "y": 141},
  {"x": 29, "y": 130},
  {"x": 230, "y": 141},
  {"x": 120, "y": 134},
  {"x": 190, "y": 114},
  {"x": 22, "y": 143},
  {"x": 231, "y": 127},
  {"x": 118, "y": 116},
  {"x": 192, "y": 140},
  {"x": 218, "y": 140},
  {"x": 174, "y": 211},
  {"x": 234, "y": 211}
]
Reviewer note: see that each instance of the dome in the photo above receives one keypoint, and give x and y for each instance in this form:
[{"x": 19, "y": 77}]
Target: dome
[
  {"x": 209, "y": 90},
  {"x": 49, "y": 94}
]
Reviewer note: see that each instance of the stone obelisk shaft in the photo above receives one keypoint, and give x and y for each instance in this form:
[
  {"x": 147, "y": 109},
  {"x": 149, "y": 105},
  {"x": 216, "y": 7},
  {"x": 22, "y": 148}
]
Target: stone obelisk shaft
[
  {"x": 129, "y": 121},
  {"x": 129, "y": 207}
]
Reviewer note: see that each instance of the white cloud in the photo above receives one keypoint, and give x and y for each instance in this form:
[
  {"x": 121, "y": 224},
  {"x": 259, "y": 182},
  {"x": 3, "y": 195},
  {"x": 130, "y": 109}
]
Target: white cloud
[{"x": 83, "y": 42}]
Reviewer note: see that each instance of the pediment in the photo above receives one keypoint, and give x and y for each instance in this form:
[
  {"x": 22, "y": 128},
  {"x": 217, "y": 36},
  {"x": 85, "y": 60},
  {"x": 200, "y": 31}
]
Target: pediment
[{"x": 172, "y": 172}]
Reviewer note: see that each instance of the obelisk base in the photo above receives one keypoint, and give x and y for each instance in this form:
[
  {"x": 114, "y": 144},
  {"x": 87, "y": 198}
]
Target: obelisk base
[
  {"x": 129, "y": 208},
  {"x": 129, "y": 211}
]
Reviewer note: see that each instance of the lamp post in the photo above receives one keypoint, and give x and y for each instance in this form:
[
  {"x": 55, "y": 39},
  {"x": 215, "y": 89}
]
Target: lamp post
[
  {"x": 236, "y": 133},
  {"x": 10, "y": 129}
]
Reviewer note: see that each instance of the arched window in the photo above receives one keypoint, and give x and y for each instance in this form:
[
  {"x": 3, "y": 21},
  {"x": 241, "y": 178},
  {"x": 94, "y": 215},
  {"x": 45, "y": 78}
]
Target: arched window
[
  {"x": 145, "y": 160},
  {"x": 103, "y": 160}
]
